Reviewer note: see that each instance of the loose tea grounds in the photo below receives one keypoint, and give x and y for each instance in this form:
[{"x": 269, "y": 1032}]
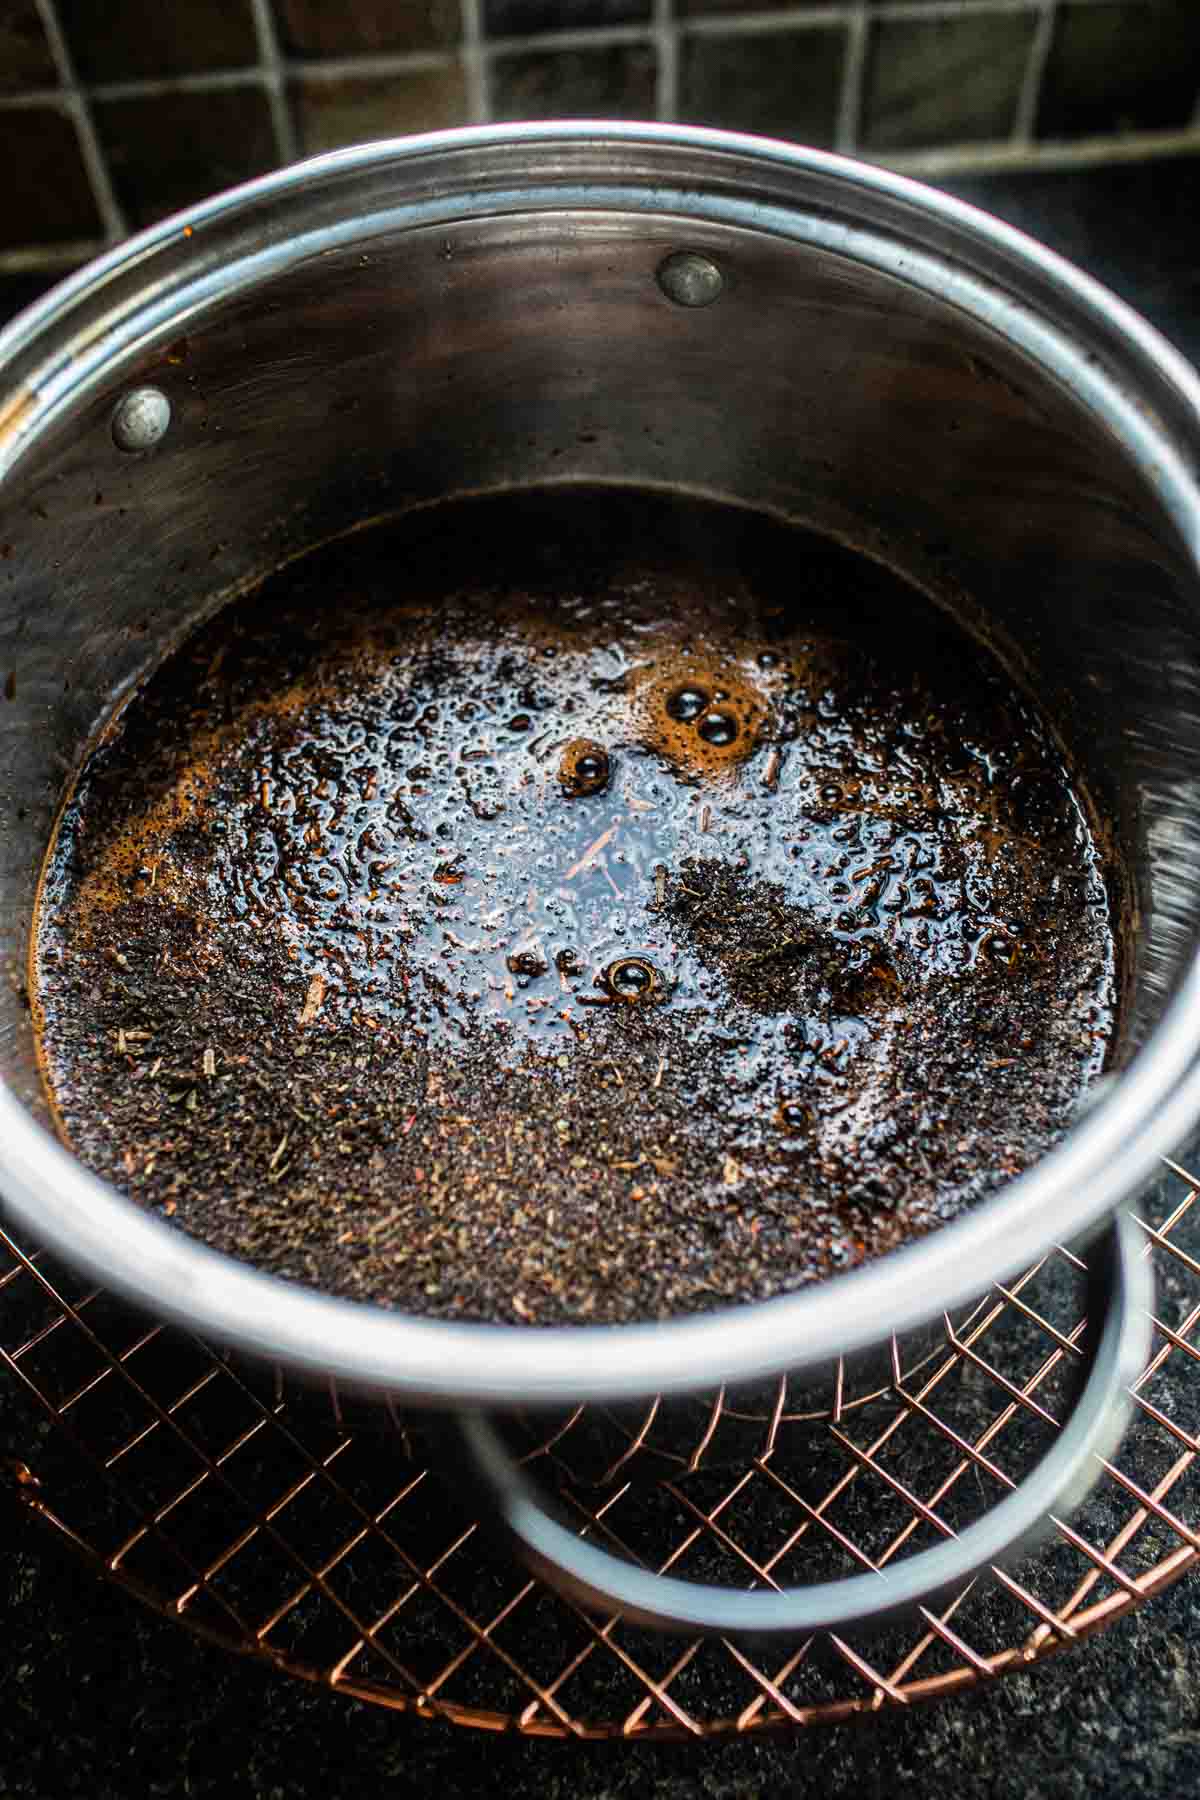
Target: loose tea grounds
[{"x": 576, "y": 906}]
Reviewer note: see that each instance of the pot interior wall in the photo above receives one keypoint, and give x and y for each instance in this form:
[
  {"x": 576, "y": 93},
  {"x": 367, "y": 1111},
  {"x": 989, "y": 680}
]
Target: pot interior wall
[{"x": 530, "y": 348}]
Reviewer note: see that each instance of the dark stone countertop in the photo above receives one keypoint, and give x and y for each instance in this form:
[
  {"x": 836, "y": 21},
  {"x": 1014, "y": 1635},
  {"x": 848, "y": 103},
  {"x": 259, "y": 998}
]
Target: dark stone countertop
[{"x": 98, "y": 1697}]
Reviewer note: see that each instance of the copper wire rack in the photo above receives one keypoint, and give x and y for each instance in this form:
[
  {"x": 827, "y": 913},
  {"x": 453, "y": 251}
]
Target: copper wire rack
[{"x": 267, "y": 1526}]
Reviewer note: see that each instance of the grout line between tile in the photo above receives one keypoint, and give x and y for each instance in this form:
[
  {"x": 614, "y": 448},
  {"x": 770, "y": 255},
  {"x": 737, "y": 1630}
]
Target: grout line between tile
[
  {"x": 1025, "y": 120},
  {"x": 666, "y": 38},
  {"x": 479, "y": 86},
  {"x": 584, "y": 38},
  {"x": 107, "y": 205},
  {"x": 370, "y": 68},
  {"x": 32, "y": 97},
  {"x": 822, "y": 17},
  {"x": 854, "y": 73},
  {"x": 350, "y": 68},
  {"x": 966, "y": 9},
  {"x": 274, "y": 74},
  {"x": 45, "y": 258},
  {"x": 813, "y": 18},
  {"x": 213, "y": 82},
  {"x": 1084, "y": 153}
]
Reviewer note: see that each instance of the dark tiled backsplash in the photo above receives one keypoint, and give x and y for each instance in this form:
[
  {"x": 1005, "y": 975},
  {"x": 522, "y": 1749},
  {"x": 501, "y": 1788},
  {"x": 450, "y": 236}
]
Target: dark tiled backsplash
[
  {"x": 113, "y": 115},
  {"x": 785, "y": 83}
]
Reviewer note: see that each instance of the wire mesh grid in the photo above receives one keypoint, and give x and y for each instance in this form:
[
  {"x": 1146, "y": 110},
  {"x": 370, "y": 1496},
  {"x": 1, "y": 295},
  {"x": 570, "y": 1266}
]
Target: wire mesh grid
[{"x": 262, "y": 1523}]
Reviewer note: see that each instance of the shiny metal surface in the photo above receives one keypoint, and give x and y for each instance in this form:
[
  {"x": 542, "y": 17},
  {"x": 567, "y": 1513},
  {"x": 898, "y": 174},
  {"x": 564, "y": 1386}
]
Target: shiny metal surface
[
  {"x": 141, "y": 419},
  {"x": 481, "y": 310},
  {"x": 1119, "y": 1298}
]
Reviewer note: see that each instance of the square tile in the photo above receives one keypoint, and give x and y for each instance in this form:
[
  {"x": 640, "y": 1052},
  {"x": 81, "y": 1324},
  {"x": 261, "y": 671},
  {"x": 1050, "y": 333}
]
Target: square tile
[
  {"x": 47, "y": 196},
  {"x": 143, "y": 40},
  {"x": 1132, "y": 67},
  {"x": 781, "y": 83},
  {"x": 25, "y": 59},
  {"x": 366, "y": 27},
  {"x": 507, "y": 18},
  {"x": 943, "y": 81},
  {"x": 330, "y": 113},
  {"x": 613, "y": 83},
  {"x": 166, "y": 150}
]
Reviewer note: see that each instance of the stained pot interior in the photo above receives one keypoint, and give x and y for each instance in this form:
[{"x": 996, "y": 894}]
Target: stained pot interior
[{"x": 317, "y": 389}]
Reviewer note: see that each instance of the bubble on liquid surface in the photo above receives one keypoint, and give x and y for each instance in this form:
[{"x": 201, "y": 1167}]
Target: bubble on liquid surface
[
  {"x": 585, "y": 767},
  {"x": 631, "y": 978},
  {"x": 687, "y": 703},
  {"x": 719, "y": 728},
  {"x": 526, "y": 962},
  {"x": 998, "y": 947}
]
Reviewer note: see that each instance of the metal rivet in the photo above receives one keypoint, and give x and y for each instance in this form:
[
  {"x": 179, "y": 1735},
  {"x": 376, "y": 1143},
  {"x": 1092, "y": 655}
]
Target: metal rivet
[
  {"x": 141, "y": 419},
  {"x": 690, "y": 279}
]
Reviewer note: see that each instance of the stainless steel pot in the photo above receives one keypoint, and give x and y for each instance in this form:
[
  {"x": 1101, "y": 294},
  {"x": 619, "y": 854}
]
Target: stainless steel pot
[{"x": 512, "y": 306}]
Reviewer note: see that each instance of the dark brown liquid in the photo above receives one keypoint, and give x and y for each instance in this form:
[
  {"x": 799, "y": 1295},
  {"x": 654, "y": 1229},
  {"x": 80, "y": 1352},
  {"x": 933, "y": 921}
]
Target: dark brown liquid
[{"x": 580, "y": 906}]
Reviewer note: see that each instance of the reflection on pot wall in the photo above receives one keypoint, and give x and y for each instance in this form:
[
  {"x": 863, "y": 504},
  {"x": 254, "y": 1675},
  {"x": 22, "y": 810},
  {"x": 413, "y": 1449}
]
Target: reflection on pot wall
[{"x": 111, "y": 117}]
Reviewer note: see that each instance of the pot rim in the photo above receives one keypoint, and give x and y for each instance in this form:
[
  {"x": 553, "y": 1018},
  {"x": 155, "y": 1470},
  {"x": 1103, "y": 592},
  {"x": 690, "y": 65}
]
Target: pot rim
[{"x": 63, "y": 346}]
